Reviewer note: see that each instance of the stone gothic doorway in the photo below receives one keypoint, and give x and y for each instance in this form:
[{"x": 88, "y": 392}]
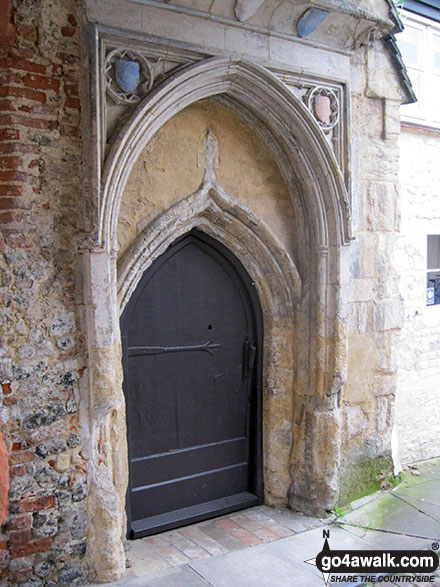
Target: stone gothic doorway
[{"x": 254, "y": 172}]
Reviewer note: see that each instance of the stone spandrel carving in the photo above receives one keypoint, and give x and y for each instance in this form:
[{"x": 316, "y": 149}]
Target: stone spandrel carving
[
  {"x": 128, "y": 76},
  {"x": 129, "y": 71},
  {"x": 324, "y": 105}
]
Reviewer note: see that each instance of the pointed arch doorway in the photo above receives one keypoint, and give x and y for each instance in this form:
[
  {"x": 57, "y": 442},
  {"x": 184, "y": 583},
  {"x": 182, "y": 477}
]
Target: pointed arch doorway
[
  {"x": 301, "y": 296},
  {"x": 192, "y": 340}
]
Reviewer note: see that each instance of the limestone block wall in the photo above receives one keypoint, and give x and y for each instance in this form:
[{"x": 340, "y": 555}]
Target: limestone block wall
[
  {"x": 375, "y": 308},
  {"x": 417, "y": 402},
  {"x": 41, "y": 354}
]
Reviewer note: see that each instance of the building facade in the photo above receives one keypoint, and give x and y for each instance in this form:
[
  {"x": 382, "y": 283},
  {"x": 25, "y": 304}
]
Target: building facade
[
  {"x": 260, "y": 138},
  {"x": 417, "y": 407}
]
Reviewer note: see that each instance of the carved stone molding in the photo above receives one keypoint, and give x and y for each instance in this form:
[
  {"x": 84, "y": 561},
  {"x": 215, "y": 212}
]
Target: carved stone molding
[
  {"x": 327, "y": 102},
  {"x": 212, "y": 209},
  {"x": 161, "y": 63},
  {"x": 212, "y": 204},
  {"x": 155, "y": 62},
  {"x": 129, "y": 68},
  {"x": 255, "y": 88}
]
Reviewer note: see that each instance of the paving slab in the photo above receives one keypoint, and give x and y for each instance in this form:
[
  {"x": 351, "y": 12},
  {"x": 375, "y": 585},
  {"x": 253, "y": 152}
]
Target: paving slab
[
  {"x": 200, "y": 537},
  {"x": 295, "y": 521},
  {"x": 357, "y": 503},
  {"x": 182, "y": 576},
  {"x": 394, "y": 515},
  {"x": 307, "y": 545},
  {"x": 143, "y": 560},
  {"x": 256, "y": 566},
  {"x": 429, "y": 491},
  {"x": 425, "y": 506},
  {"x": 226, "y": 540},
  {"x": 425, "y": 471},
  {"x": 171, "y": 554},
  {"x": 426, "y": 484},
  {"x": 388, "y": 541},
  {"x": 257, "y": 554}
]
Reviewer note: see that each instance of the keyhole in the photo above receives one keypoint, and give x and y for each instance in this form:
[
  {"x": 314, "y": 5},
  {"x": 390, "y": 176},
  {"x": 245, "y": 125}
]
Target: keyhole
[{"x": 209, "y": 326}]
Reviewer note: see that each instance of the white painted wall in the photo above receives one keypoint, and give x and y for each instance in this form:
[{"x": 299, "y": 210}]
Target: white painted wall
[{"x": 418, "y": 388}]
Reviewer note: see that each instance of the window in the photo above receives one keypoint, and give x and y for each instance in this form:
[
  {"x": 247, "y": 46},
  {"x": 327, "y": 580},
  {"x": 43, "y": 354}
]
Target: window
[
  {"x": 433, "y": 270},
  {"x": 420, "y": 47}
]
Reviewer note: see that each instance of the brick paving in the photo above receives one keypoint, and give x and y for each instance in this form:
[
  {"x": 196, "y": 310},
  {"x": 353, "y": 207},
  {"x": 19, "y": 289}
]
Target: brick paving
[
  {"x": 270, "y": 546},
  {"x": 237, "y": 531}
]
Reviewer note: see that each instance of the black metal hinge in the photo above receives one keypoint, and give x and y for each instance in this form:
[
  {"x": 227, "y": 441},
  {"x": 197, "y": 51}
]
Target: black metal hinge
[{"x": 208, "y": 347}]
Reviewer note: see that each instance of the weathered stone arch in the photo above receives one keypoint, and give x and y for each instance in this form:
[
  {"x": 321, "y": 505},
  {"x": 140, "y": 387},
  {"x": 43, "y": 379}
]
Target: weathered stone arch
[
  {"x": 278, "y": 109},
  {"x": 214, "y": 212},
  {"x": 303, "y": 313}
]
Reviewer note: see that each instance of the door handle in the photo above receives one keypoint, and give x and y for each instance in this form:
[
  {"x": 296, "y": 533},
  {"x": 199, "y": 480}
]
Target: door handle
[{"x": 249, "y": 354}]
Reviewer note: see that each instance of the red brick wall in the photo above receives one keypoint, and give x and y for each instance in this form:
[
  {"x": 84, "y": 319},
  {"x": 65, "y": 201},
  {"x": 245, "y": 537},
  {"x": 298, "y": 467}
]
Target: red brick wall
[
  {"x": 38, "y": 94},
  {"x": 7, "y": 29},
  {"x": 40, "y": 356}
]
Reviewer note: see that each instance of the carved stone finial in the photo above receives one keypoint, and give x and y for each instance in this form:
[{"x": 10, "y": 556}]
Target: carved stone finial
[
  {"x": 211, "y": 155},
  {"x": 245, "y": 9}
]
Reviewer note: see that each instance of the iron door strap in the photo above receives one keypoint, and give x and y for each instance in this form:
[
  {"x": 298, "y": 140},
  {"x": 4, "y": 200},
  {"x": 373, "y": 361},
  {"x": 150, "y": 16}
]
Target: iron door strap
[
  {"x": 249, "y": 354},
  {"x": 208, "y": 347}
]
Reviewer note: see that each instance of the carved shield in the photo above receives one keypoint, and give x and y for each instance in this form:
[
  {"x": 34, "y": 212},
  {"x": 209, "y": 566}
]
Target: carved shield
[
  {"x": 322, "y": 108},
  {"x": 127, "y": 74}
]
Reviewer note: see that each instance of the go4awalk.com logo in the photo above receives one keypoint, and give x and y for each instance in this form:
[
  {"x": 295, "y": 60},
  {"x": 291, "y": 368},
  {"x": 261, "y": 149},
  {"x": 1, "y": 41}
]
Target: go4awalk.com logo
[{"x": 376, "y": 566}]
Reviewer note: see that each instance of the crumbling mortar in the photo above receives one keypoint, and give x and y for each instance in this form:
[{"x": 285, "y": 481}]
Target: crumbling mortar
[{"x": 37, "y": 359}]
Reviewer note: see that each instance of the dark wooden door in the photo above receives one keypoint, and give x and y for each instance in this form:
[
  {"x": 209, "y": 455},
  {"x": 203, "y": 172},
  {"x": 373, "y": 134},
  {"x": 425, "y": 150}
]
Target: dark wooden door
[{"x": 191, "y": 336}]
